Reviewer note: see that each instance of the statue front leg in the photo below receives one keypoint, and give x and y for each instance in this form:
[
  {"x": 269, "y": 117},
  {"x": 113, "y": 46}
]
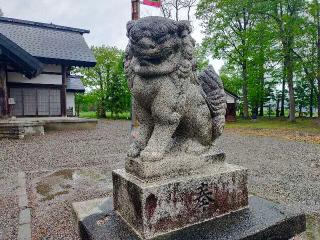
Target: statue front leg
[
  {"x": 159, "y": 141},
  {"x": 167, "y": 118},
  {"x": 144, "y": 131}
]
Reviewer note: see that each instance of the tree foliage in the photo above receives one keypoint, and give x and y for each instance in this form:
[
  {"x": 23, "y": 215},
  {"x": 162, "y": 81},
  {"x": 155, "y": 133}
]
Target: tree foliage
[
  {"x": 227, "y": 25},
  {"x": 106, "y": 82},
  {"x": 271, "y": 49}
]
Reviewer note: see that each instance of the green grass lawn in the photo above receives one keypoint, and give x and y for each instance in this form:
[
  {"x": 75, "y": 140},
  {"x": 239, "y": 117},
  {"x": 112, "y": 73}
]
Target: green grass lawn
[
  {"x": 88, "y": 115},
  {"x": 302, "y": 124},
  {"x": 125, "y": 116},
  {"x": 306, "y": 125}
]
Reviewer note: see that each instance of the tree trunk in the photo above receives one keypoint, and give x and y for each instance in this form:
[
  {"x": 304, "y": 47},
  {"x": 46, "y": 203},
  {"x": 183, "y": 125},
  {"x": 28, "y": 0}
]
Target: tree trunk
[
  {"x": 245, "y": 90},
  {"x": 101, "y": 111},
  {"x": 300, "y": 110},
  {"x": 78, "y": 110},
  {"x": 261, "y": 113},
  {"x": 262, "y": 95},
  {"x": 283, "y": 40},
  {"x": 278, "y": 105},
  {"x": 284, "y": 78},
  {"x": 292, "y": 116},
  {"x": 177, "y": 10},
  {"x": 283, "y": 97},
  {"x": 311, "y": 101},
  {"x": 189, "y": 10},
  {"x": 262, "y": 61},
  {"x": 255, "y": 112},
  {"x": 318, "y": 98},
  {"x": 318, "y": 56},
  {"x": 287, "y": 44}
]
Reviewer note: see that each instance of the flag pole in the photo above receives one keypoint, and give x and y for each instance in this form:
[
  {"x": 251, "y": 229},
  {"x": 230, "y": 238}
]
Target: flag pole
[{"x": 135, "y": 15}]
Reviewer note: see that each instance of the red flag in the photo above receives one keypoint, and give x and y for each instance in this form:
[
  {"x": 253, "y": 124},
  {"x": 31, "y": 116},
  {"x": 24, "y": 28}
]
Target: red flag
[{"x": 153, "y": 3}]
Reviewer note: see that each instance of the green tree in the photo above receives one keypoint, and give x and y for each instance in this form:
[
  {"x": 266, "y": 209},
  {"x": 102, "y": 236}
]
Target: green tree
[
  {"x": 85, "y": 102},
  {"x": 202, "y": 61},
  {"x": 260, "y": 64},
  {"x": 227, "y": 24},
  {"x": 288, "y": 18},
  {"x": 118, "y": 94},
  {"x": 306, "y": 64},
  {"x": 231, "y": 79},
  {"x": 314, "y": 12},
  {"x": 107, "y": 81},
  {"x": 302, "y": 95}
]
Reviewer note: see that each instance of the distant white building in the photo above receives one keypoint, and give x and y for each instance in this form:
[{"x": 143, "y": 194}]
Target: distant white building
[{"x": 35, "y": 62}]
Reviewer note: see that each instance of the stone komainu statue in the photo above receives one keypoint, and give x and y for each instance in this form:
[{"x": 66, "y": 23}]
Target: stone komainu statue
[{"x": 177, "y": 110}]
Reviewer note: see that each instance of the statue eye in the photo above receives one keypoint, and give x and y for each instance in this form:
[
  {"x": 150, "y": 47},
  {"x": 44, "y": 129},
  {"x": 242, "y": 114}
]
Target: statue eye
[{"x": 132, "y": 39}]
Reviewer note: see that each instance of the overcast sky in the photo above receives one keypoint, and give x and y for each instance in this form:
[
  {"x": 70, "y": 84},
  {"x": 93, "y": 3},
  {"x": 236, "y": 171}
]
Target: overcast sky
[{"x": 106, "y": 19}]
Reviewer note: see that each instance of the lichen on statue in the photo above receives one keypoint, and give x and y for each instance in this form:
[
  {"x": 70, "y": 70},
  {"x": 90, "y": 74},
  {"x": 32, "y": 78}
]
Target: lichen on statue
[{"x": 178, "y": 111}]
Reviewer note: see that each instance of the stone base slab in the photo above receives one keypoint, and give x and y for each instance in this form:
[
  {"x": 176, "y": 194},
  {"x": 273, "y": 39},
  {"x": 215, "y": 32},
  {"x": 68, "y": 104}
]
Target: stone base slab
[
  {"x": 17, "y": 130},
  {"x": 156, "y": 208},
  {"x": 70, "y": 124},
  {"x": 262, "y": 220}
]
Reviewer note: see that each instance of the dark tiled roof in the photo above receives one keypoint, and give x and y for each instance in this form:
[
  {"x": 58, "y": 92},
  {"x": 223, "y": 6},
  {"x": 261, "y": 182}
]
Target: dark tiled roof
[
  {"x": 74, "y": 84},
  {"x": 50, "y": 43},
  {"x": 43, "y": 25},
  {"x": 27, "y": 64},
  {"x": 232, "y": 94}
]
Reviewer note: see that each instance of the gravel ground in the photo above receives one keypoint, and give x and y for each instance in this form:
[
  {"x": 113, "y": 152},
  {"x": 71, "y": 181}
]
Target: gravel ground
[
  {"x": 280, "y": 170},
  {"x": 63, "y": 167},
  {"x": 69, "y": 149}
]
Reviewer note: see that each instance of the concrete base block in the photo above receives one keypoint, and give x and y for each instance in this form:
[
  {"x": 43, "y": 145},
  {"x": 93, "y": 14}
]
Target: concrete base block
[
  {"x": 262, "y": 220},
  {"x": 157, "y": 208}
]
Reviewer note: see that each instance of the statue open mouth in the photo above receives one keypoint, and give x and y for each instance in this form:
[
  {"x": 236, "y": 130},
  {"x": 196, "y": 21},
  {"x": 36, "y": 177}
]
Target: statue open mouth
[
  {"x": 155, "y": 59},
  {"x": 155, "y": 65},
  {"x": 152, "y": 57}
]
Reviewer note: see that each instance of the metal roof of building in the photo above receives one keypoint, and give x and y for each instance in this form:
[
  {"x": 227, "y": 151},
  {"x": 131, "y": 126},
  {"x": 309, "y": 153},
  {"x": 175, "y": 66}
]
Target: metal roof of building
[
  {"x": 74, "y": 84},
  {"x": 48, "y": 42}
]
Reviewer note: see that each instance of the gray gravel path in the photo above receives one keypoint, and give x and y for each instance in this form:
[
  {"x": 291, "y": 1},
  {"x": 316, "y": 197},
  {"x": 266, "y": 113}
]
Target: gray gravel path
[
  {"x": 283, "y": 171},
  {"x": 65, "y": 149}
]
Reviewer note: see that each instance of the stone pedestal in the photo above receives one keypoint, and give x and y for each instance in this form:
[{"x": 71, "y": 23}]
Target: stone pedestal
[{"x": 159, "y": 207}]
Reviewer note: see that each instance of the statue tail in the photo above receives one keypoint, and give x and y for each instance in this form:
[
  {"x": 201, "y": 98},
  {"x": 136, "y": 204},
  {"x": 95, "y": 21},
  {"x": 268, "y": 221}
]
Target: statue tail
[{"x": 213, "y": 93}]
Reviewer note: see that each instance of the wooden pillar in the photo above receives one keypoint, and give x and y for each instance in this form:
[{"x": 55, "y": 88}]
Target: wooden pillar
[
  {"x": 3, "y": 92},
  {"x": 64, "y": 92},
  {"x": 135, "y": 9}
]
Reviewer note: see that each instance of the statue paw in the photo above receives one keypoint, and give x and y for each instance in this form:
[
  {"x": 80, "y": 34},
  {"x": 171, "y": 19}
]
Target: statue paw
[
  {"x": 174, "y": 118},
  {"x": 134, "y": 151},
  {"x": 151, "y": 156}
]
